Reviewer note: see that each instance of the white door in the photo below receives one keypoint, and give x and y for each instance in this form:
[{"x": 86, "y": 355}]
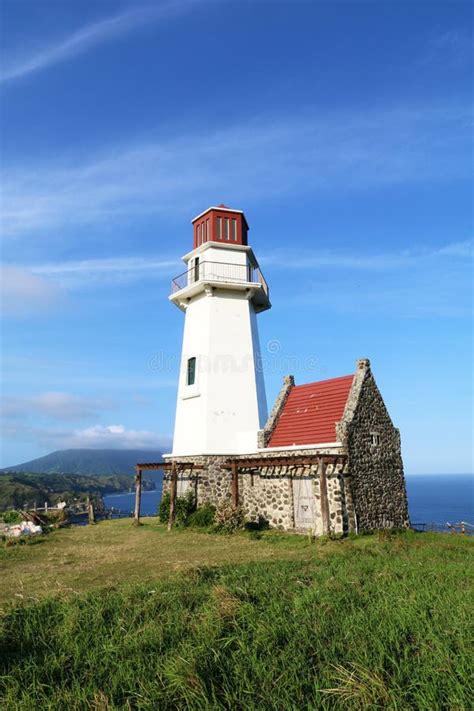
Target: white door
[
  {"x": 183, "y": 485},
  {"x": 303, "y": 502}
]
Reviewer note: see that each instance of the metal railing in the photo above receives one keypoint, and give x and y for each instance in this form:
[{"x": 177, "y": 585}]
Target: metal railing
[{"x": 219, "y": 271}]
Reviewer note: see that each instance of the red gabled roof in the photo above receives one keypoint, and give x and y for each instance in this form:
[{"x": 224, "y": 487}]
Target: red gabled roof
[{"x": 310, "y": 413}]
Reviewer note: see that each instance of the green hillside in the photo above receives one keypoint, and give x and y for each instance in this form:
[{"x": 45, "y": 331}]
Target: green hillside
[
  {"x": 88, "y": 461},
  {"x": 20, "y": 488},
  {"x": 121, "y": 617}
]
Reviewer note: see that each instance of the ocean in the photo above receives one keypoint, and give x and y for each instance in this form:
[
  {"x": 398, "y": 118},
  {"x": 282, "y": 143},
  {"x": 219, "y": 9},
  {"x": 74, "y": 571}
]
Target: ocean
[{"x": 432, "y": 498}]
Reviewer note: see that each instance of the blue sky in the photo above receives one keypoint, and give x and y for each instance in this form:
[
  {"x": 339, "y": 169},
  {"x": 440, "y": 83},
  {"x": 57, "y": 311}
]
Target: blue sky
[{"x": 342, "y": 129}]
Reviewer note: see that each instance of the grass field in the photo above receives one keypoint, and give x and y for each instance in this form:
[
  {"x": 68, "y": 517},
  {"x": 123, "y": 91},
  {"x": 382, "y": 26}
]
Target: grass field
[{"x": 142, "y": 619}]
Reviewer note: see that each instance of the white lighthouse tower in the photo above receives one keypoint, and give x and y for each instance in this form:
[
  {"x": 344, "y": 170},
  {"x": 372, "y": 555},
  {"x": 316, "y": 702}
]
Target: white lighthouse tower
[{"x": 221, "y": 394}]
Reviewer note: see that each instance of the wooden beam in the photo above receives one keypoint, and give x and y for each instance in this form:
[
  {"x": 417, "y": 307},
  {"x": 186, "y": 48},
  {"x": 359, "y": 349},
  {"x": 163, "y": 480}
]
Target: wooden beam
[
  {"x": 303, "y": 460},
  {"x": 165, "y": 465},
  {"x": 323, "y": 492},
  {"x": 235, "y": 485},
  {"x": 173, "y": 490},
  {"x": 138, "y": 494}
]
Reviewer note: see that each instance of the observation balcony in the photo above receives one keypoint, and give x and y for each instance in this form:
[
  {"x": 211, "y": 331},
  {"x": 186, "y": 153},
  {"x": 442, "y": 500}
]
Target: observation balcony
[{"x": 221, "y": 275}]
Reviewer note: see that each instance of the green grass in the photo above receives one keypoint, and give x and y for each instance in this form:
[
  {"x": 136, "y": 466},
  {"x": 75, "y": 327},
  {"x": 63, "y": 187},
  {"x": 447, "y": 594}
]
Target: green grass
[{"x": 375, "y": 622}]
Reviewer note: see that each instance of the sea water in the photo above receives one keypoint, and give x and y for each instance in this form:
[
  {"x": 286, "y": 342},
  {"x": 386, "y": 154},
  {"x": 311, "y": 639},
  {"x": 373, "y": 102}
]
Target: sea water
[{"x": 432, "y": 498}]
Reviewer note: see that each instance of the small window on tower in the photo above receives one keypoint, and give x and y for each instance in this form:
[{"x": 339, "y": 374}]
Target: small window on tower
[
  {"x": 375, "y": 439},
  {"x": 234, "y": 230},
  {"x": 226, "y": 225},
  {"x": 191, "y": 371},
  {"x": 219, "y": 228}
]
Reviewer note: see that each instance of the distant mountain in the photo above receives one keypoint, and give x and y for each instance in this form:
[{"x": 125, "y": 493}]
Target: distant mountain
[{"x": 88, "y": 462}]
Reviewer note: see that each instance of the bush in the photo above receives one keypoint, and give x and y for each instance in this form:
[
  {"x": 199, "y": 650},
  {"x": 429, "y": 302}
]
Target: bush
[
  {"x": 185, "y": 506},
  {"x": 261, "y": 524},
  {"x": 203, "y": 517},
  {"x": 54, "y": 518},
  {"x": 228, "y": 518},
  {"x": 12, "y": 517}
]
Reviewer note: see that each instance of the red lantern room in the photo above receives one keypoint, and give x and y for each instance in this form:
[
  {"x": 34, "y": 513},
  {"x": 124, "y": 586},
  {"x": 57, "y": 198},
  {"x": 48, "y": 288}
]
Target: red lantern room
[{"x": 220, "y": 224}]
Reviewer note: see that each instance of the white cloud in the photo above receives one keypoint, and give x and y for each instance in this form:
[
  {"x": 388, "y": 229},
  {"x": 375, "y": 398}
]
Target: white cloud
[
  {"x": 87, "y": 37},
  {"x": 57, "y": 405},
  {"x": 114, "y": 437},
  {"x": 301, "y": 259},
  {"x": 23, "y": 293},
  {"x": 244, "y": 164},
  {"x": 95, "y": 437},
  {"x": 90, "y": 272},
  {"x": 414, "y": 284}
]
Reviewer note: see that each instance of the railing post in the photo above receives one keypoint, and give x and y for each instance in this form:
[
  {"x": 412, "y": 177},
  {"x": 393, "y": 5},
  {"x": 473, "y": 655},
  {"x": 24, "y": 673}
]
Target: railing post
[
  {"x": 138, "y": 495},
  {"x": 173, "y": 489}
]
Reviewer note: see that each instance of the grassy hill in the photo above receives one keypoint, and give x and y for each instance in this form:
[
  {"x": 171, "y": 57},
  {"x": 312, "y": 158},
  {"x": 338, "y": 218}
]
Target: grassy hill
[
  {"x": 19, "y": 488},
  {"x": 88, "y": 462},
  {"x": 113, "y": 617}
]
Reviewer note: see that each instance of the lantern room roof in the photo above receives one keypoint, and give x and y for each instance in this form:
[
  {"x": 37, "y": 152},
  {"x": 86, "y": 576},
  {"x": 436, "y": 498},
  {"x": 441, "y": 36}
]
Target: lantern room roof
[{"x": 221, "y": 208}]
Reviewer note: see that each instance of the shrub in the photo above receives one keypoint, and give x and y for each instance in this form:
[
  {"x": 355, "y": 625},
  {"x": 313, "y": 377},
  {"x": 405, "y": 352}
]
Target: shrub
[
  {"x": 185, "y": 506},
  {"x": 203, "y": 517},
  {"x": 228, "y": 518},
  {"x": 261, "y": 524},
  {"x": 11, "y": 517},
  {"x": 56, "y": 517}
]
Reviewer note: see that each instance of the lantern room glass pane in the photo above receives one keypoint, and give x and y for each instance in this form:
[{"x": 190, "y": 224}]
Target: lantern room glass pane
[{"x": 234, "y": 230}]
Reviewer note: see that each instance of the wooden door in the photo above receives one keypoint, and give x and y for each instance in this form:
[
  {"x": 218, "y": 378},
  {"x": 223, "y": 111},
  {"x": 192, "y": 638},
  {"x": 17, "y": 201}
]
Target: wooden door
[{"x": 303, "y": 502}]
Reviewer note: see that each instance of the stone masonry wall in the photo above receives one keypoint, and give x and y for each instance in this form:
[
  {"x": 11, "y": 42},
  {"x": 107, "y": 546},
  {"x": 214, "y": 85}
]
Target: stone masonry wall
[
  {"x": 377, "y": 486},
  {"x": 268, "y": 492}
]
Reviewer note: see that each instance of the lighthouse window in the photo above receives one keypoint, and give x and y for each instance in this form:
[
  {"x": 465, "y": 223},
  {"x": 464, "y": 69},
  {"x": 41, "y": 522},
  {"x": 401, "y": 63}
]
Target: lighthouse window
[
  {"x": 219, "y": 228},
  {"x": 226, "y": 225},
  {"x": 191, "y": 371},
  {"x": 234, "y": 230}
]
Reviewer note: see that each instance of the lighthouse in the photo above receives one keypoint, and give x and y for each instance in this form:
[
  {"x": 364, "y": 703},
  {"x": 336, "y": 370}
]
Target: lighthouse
[{"x": 221, "y": 402}]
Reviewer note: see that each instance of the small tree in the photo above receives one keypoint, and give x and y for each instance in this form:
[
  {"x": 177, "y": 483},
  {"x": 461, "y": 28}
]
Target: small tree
[{"x": 185, "y": 506}]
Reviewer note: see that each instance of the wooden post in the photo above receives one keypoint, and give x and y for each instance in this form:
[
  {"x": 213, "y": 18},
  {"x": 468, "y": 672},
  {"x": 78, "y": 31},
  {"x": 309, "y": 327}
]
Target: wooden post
[
  {"x": 90, "y": 510},
  {"x": 235, "y": 485},
  {"x": 138, "y": 495},
  {"x": 324, "y": 497},
  {"x": 173, "y": 489}
]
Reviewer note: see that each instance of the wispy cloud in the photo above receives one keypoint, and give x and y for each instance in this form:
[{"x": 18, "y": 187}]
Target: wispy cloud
[
  {"x": 262, "y": 159},
  {"x": 65, "y": 48},
  {"x": 91, "y": 272},
  {"x": 23, "y": 293},
  {"x": 451, "y": 48},
  {"x": 32, "y": 290},
  {"x": 56, "y": 405},
  {"x": 301, "y": 259},
  {"x": 113, "y": 436},
  {"x": 411, "y": 284}
]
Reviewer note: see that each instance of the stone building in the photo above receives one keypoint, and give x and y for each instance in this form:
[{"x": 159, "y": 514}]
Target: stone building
[{"x": 327, "y": 459}]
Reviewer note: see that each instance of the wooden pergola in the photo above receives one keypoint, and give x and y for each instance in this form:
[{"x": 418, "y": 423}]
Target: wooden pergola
[{"x": 235, "y": 465}]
